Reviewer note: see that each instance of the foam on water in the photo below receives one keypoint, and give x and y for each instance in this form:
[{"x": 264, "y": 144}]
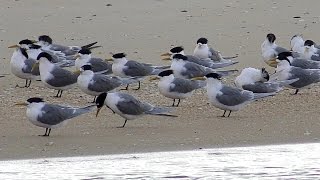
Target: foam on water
[{"x": 297, "y": 161}]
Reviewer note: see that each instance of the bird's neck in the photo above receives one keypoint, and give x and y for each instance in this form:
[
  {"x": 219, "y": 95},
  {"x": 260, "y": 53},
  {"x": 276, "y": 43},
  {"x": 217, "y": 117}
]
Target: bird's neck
[
  {"x": 120, "y": 60},
  {"x": 213, "y": 85},
  {"x": 87, "y": 73}
]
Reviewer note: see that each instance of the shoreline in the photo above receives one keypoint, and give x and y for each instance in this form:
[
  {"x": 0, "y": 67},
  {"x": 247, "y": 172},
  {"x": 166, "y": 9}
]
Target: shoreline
[{"x": 144, "y": 31}]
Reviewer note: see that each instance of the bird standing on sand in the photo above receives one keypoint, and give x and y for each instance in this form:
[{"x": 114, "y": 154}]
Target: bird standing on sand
[
  {"x": 285, "y": 71},
  {"x": 129, "y": 107},
  {"x": 97, "y": 64},
  {"x": 203, "y": 62},
  {"x": 51, "y": 116},
  {"x": 95, "y": 84},
  {"x": 257, "y": 81},
  {"x": 185, "y": 69},
  {"x": 21, "y": 66},
  {"x": 177, "y": 88},
  {"x": 229, "y": 98},
  {"x": 129, "y": 68},
  {"x": 203, "y": 51},
  {"x": 54, "y": 77},
  {"x": 270, "y": 50}
]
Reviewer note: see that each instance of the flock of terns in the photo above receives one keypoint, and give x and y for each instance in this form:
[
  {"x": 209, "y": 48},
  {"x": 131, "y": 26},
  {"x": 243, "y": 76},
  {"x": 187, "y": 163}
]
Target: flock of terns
[{"x": 44, "y": 61}]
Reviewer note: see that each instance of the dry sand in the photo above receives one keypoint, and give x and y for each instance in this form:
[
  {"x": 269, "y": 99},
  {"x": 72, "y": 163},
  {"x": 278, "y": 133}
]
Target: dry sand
[{"x": 144, "y": 29}]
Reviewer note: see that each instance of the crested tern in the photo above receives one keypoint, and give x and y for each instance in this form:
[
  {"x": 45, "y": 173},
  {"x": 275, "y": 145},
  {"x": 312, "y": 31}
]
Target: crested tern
[
  {"x": 285, "y": 71},
  {"x": 129, "y": 68},
  {"x": 257, "y": 81},
  {"x": 21, "y": 65},
  {"x": 53, "y": 76},
  {"x": 310, "y": 51},
  {"x": 97, "y": 64},
  {"x": 94, "y": 84},
  {"x": 51, "y": 116},
  {"x": 270, "y": 50},
  {"x": 203, "y": 51},
  {"x": 229, "y": 98},
  {"x": 177, "y": 88},
  {"x": 129, "y": 107},
  {"x": 204, "y": 62},
  {"x": 299, "y": 62},
  {"x": 185, "y": 69}
]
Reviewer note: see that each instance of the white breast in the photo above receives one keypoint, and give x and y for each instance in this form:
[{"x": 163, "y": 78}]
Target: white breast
[
  {"x": 178, "y": 67},
  {"x": 83, "y": 82},
  {"x": 202, "y": 52},
  {"x": 117, "y": 68}
]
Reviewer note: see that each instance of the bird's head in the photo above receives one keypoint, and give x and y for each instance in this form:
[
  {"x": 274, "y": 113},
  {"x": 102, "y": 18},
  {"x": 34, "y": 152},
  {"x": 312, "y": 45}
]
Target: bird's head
[
  {"x": 100, "y": 100},
  {"x": 29, "y": 101},
  {"x": 271, "y": 37}
]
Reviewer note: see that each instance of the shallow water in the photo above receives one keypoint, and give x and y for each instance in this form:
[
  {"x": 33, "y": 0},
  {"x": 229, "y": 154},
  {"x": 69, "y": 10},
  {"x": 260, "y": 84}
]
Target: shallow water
[{"x": 299, "y": 161}]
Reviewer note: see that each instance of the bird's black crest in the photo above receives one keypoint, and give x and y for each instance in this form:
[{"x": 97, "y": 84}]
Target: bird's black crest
[
  {"x": 26, "y": 41},
  {"x": 84, "y": 51},
  {"x": 165, "y": 73},
  {"x": 45, "y": 55},
  {"x": 86, "y": 67},
  {"x": 271, "y": 37},
  {"x": 308, "y": 43},
  {"x": 202, "y": 40},
  {"x": 119, "y": 55},
  {"x": 214, "y": 75},
  {"x": 35, "y": 100},
  {"x": 24, "y": 52},
  {"x": 45, "y": 38},
  {"x": 34, "y": 46},
  {"x": 100, "y": 99},
  {"x": 284, "y": 55},
  {"x": 177, "y": 49},
  {"x": 179, "y": 56}
]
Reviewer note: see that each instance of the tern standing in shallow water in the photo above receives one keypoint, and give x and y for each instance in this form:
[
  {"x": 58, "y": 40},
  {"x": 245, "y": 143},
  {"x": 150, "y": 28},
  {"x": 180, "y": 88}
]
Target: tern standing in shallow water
[
  {"x": 177, "y": 88},
  {"x": 51, "y": 116},
  {"x": 129, "y": 68},
  {"x": 229, "y": 98},
  {"x": 129, "y": 107},
  {"x": 55, "y": 77}
]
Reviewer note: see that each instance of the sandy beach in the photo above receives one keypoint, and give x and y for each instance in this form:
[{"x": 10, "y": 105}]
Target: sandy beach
[{"x": 144, "y": 29}]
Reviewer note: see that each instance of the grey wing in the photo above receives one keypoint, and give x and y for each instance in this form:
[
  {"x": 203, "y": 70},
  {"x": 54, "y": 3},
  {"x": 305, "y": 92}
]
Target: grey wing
[
  {"x": 55, "y": 114},
  {"x": 28, "y": 64},
  {"x": 232, "y": 96},
  {"x": 102, "y": 83},
  {"x": 214, "y": 55},
  {"x": 305, "y": 64},
  {"x": 315, "y": 57},
  {"x": 57, "y": 47},
  {"x": 183, "y": 85},
  {"x": 209, "y": 63},
  {"x": 306, "y": 76},
  {"x": 260, "y": 87},
  {"x": 129, "y": 105},
  {"x": 279, "y": 49},
  {"x": 137, "y": 69},
  {"x": 62, "y": 77},
  {"x": 194, "y": 70},
  {"x": 99, "y": 65}
]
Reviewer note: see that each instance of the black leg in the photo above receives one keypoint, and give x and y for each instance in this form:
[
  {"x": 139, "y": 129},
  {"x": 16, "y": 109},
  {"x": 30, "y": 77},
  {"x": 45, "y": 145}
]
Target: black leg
[
  {"x": 29, "y": 83},
  {"x": 45, "y": 134},
  {"x": 178, "y": 103},
  {"x": 49, "y": 132},
  {"x": 224, "y": 113},
  {"x": 26, "y": 85},
  {"x": 123, "y": 124},
  {"x": 127, "y": 87},
  {"x": 138, "y": 86},
  {"x": 174, "y": 100},
  {"x": 57, "y": 94},
  {"x": 297, "y": 90},
  {"x": 229, "y": 113}
]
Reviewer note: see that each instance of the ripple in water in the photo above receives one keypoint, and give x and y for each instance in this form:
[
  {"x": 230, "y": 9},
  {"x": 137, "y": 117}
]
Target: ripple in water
[{"x": 299, "y": 161}]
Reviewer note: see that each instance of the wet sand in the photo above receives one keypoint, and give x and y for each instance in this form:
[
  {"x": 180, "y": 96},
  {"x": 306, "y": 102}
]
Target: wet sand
[{"x": 144, "y": 30}]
